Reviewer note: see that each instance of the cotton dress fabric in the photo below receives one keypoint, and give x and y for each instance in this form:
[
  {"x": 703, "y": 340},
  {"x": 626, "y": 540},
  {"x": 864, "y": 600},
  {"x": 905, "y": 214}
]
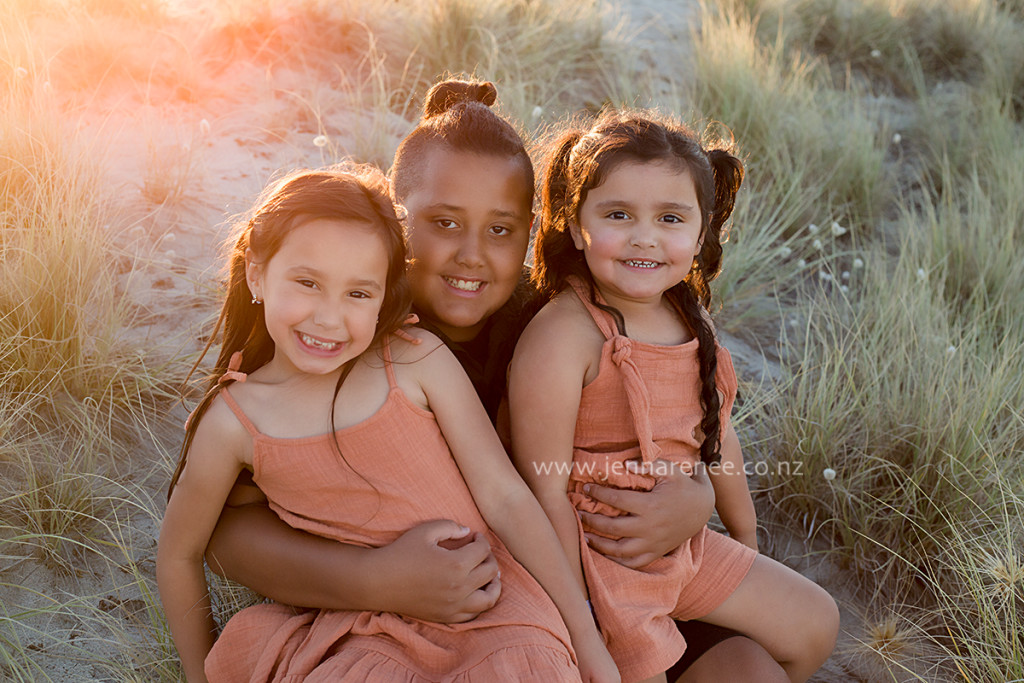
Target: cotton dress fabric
[
  {"x": 399, "y": 472},
  {"x": 644, "y": 404}
]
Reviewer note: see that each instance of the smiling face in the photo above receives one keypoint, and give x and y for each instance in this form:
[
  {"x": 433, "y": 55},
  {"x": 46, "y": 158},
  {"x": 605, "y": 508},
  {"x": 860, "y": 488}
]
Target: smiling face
[
  {"x": 469, "y": 227},
  {"x": 322, "y": 291},
  {"x": 639, "y": 231}
]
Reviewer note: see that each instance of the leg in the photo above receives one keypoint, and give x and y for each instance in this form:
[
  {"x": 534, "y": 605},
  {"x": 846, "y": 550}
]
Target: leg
[
  {"x": 737, "y": 660},
  {"x": 790, "y": 616}
]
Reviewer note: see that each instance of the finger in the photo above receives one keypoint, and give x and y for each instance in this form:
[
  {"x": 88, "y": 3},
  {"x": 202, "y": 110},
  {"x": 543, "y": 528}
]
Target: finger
[
  {"x": 631, "y": 502},
  {"x": 479, "y": 601},
  {"x": 469, "y": 553},
  {"x": 624, "y": 551},
  {"x": 483, "y": 573},
  {"x": 442, "y": 530},
  {"x": 609, "y": 547},
  {"x": 614, "y": 527}
]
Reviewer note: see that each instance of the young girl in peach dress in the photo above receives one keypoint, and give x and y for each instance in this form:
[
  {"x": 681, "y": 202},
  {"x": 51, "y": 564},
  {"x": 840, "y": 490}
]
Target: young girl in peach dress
[
  {"x": 356, "y": 430},
  {"x": 620, "y": 374}
]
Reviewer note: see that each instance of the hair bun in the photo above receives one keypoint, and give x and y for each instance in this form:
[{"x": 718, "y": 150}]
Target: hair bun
[{"x": 446, "y": 94}]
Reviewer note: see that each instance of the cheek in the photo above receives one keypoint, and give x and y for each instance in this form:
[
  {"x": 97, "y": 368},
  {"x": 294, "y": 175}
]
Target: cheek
[{"x": 507, "y": 266}]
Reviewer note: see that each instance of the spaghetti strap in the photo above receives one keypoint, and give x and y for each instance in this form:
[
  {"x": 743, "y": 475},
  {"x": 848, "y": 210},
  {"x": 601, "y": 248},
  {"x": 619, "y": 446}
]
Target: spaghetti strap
[
  {"x": 603, "y": 319},
  {"x": 237, "y": 410}
]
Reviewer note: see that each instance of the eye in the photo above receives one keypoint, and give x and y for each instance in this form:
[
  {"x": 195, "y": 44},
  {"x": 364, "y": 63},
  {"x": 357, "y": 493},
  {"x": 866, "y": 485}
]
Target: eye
[
  {"x": 359, "y": 294},
  {"x": 307, "y": 283},
  {"x": 672, "y": 218},
  {"x": 500, "y": 230},
  {"x": 446, "y": 224},
  {"x": 617, "y": 215}
]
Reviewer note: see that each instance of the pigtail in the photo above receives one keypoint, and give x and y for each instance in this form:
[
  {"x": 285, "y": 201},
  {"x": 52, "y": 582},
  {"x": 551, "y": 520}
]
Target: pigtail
[
  {"x": 727, "y": 171},
  {"x": 555, "y": 255},
  {"x": 692, "y": 297},
  {"x": 444, "y": 95},
  {"x": 689, "y": 308}
]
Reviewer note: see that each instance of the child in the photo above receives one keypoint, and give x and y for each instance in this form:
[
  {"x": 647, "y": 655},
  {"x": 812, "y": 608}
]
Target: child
[
  {"x": 466, "y": 179},
  {"x": 350, "y": 445},
  {"x": 622, "y": 368}
]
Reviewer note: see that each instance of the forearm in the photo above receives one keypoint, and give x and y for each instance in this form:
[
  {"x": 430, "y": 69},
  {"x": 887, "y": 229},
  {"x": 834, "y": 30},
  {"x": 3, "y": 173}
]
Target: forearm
[
  {"x": 732, "y": 494},
  {"x": 253, "y": 546},
  {"x": 186, "y": 601},
  {"x": 526, "y": 531},
  {"x": 562, "y": 516}
]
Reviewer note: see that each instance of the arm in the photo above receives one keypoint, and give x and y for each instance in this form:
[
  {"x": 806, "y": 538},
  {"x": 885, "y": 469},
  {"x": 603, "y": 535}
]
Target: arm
[
  {"x": 506, "y": 504},
  {"x": 545, "y": 386},
  {"x": 735, "y": 506},
  {"x": 436, "y": 571},
  {"x": 214, "y": 460}
]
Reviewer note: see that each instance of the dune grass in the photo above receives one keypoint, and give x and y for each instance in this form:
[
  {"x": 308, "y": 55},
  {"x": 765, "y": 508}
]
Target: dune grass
[{"x": 872, "y": 254}]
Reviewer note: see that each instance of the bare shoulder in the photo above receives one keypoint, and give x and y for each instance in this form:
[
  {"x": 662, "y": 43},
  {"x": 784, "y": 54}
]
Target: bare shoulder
[
  {"x": 563, "y": 321},
  {"x": 562, "y": 342},
  {"x": 221, "y": 433},
  {"x": 416, "y": 346}
]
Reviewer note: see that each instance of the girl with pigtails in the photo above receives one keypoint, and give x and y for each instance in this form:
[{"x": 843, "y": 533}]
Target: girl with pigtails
[
  {"x": 620, "y": 376},
  {"x": 356, "y": 430}
]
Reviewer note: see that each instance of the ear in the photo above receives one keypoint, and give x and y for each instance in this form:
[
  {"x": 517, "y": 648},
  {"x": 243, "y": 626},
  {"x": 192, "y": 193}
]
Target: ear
[
  {"x": 576, "y": 232},
  {"x": 253, "y": 274}
]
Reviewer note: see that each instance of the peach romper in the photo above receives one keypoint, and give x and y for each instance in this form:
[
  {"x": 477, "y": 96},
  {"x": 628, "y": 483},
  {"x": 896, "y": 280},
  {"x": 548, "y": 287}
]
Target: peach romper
[
  {"x": 410, "y": 477},
  {"x": 644, "y": 404}
]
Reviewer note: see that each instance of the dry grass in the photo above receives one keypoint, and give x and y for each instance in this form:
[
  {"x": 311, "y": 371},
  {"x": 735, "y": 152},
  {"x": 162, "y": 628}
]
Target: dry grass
[{"x": 899, "y": 333}]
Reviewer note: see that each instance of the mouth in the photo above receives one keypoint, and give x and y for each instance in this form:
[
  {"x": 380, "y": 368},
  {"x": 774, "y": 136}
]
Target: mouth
[
  {"x": 317, "y": 344},
  {"x": 642, "y": 263},
  {"x": 463, "y": 285}
]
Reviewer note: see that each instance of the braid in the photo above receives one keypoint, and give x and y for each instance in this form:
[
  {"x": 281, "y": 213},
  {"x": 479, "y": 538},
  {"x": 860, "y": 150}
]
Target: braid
[{"x": 686, "y": 303}]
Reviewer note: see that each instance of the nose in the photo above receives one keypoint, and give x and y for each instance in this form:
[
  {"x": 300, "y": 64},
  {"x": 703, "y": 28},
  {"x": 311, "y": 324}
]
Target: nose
[
  {"x": 329, "y": 315},
  {"x": 643, "y": 235},
  {"x": 470, "y": 253}
]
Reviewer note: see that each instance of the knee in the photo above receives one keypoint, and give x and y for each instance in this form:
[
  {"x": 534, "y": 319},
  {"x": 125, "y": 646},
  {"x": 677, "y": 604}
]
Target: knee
[{"x": 822, "y": 623}]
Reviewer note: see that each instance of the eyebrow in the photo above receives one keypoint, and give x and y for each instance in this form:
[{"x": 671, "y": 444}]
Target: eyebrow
[
  {"x": 500, "y": 213},
  {"x": 675, "y": 206},
  {"x": 306, "y": 270}
]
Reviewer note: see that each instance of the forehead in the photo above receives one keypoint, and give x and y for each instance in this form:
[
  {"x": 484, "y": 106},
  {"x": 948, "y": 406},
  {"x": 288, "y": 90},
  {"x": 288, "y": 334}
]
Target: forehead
[
  {"x": 468, "y": 180},
  {"x": 333, "y": 245},
  {"x": 639, "y": 179}
]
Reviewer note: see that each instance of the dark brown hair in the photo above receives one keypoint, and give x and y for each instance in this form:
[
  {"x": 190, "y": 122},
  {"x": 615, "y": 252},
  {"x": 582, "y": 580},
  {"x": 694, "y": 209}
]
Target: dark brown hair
[
  {"x": 457, "y": 115},
  {"x": 358, "y": 194},
  {"x": 580, "y": 160}
]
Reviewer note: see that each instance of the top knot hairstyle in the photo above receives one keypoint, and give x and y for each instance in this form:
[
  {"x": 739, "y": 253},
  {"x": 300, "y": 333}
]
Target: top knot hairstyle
[
  {"x": 580, "y": 160},
  {"x": 357, "y": 194},
  {"x": 457, "y": 115}
]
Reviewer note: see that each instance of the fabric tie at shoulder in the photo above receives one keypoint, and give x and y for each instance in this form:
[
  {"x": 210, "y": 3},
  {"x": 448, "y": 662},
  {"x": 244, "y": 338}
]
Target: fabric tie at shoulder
[
  {"x": 232, "y": 373},
  {"x": 411, "y": 319},
  {"x": 622, "y": 349}
]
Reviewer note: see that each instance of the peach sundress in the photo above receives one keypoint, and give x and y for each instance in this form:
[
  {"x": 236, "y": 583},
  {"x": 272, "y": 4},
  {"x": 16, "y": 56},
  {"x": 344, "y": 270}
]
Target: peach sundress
[
  {"x": 644, "y": 404},
  {"x": 410, "y": 477}
]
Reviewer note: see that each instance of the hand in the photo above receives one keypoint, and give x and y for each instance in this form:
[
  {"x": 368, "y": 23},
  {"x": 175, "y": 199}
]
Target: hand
[
  {"x": 655, "y": 522},
  {"x": 440, "y": 571},
  {"x": 596, "y": 665}
]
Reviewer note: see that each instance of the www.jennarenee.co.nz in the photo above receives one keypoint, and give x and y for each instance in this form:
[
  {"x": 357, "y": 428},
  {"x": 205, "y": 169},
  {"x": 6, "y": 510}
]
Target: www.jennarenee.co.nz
[{"x": 661, "y": 468}]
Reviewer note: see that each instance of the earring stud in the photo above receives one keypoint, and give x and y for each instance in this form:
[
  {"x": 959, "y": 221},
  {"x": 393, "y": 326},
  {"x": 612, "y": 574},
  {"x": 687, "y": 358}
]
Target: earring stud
[{"x": 255, "y": 300}]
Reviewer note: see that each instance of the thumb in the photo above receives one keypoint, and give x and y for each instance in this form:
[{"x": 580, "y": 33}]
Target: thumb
[{"x": 443, "y": 530}]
